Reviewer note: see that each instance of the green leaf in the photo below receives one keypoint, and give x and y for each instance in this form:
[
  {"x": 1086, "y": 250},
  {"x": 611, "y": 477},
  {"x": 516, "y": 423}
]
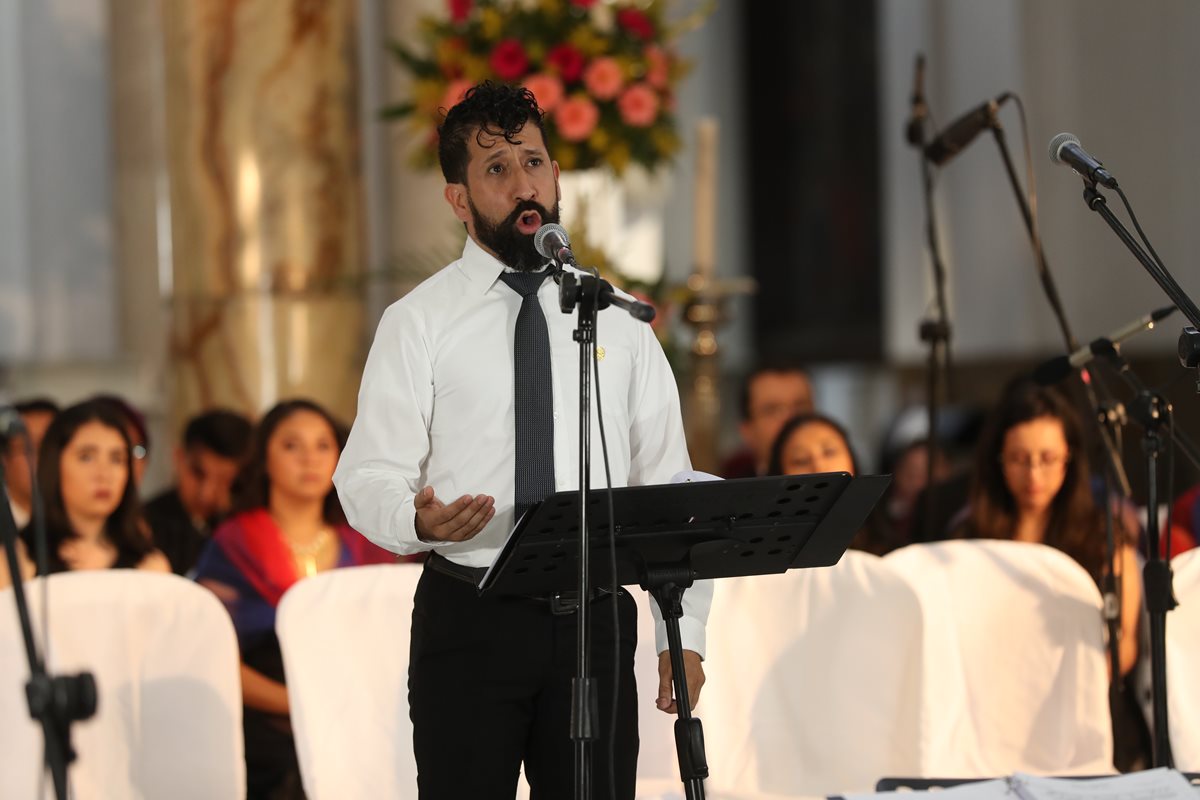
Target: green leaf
[
  {"x": 420, "y": 67},
  {"x": 397, "y": 111}
]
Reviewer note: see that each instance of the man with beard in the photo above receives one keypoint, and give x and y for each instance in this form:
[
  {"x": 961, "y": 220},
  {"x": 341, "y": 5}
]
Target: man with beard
[{"x": 459, "y": 429}]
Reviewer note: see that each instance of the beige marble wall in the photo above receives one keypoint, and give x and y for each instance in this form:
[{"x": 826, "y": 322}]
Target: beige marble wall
[{"x": 266, "y": 208}]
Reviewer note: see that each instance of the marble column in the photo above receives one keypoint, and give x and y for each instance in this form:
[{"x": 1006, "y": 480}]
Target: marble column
[{"x": 266, "y": 203}]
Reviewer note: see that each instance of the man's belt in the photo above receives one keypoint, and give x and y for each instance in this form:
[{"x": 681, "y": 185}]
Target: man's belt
[{"x": 560, "y": 602}]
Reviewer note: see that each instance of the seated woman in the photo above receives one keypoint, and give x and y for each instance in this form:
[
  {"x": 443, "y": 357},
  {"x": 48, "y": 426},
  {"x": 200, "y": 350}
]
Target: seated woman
[
  {"x": 287, "y": 525},
  {"x": 811, "y": 443},
  {"x": 1031, "y": 484},
  {"x": 92, "y": 509}
]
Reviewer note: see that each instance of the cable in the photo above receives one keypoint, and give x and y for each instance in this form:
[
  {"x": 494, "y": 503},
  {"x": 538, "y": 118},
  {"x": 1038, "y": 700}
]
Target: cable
[
  {"x": 1035, "y": 235},
  {"x": 612, "y": 555},
  {"x": 1170, "y": 478},
  {"x": 1030, "y": 181},
  {"x": 41, "y": 554},
  {"x": 1138, "y": 227}
]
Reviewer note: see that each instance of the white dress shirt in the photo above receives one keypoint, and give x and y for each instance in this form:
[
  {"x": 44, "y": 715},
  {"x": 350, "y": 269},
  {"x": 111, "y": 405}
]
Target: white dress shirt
[{"x": 435, "y": 408}]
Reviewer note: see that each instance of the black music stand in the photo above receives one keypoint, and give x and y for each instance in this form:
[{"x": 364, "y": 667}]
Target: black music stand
[{"x": 669, "y": 536}]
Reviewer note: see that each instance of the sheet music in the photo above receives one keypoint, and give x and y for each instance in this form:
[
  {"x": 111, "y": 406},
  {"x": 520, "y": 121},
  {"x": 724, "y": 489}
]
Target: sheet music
[
  {"x": 1153, "y": 784},
  {"x": 998, "y": 789}
]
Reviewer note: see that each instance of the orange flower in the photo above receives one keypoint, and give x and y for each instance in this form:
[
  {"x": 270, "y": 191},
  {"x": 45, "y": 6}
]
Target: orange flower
[
  {"x": 638, "y": 106},
  {"x": 603, "y": 78},
  {"x": 547, "y": 89},
  {"x": 576, "y": 118}
]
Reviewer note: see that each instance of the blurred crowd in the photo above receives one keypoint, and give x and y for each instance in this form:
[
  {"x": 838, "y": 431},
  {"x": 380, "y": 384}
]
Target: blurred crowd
[{"x": 253, "y": 510}]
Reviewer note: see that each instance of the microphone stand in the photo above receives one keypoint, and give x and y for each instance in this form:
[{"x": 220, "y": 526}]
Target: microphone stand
[
  {"x": 54, "y": 701},
  {"x": 587, "y": 293},
  {"x": 575, "y": 291},
  {"x": 1098, "y": 203},
  {"x": 1114, "y": 468},
  {"x": 1151, "y": 409},
  {"x": 936, "y": 331}
]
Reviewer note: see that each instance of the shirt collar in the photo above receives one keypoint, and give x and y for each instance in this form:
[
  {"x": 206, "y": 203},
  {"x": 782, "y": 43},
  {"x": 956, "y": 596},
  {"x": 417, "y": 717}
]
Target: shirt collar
[{"x": 481, "y": 267}]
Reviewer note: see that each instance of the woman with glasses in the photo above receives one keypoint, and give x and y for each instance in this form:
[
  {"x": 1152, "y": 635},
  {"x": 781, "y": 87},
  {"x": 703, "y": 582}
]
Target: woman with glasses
[
  {"x": 93, "y": 517},
  {"x": 1031, "y": 484}
]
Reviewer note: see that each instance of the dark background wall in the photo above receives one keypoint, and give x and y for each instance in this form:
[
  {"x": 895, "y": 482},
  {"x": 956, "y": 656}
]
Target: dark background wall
[{"x": 812, "y": 152}]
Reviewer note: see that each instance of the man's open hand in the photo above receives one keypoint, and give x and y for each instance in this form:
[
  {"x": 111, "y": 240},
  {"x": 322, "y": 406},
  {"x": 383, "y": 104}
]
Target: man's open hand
[{"x": 456, "y": 522}]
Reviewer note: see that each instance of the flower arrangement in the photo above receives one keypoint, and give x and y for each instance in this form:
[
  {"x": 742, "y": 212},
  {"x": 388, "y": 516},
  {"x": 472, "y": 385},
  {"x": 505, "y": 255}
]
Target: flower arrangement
[{"x": 604, "y": 71}]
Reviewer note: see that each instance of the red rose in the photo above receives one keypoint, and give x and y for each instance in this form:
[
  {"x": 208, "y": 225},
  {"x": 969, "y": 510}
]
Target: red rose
[
  {"x": 459, "y": 10},
  {"x": 583, "y": 3},
  {"x": 567, "y": 60},
  {"x": 636, "y": 23},
  {"x": 509, "y": 61}
]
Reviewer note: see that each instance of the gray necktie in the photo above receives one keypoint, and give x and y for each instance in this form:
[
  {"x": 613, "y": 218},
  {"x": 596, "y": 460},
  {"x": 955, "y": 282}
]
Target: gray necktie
[{"x": 533, "y": 394}]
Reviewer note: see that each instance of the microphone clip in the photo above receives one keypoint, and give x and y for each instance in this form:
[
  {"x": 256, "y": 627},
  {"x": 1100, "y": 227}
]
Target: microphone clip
[{"x": 591, "y": 293}]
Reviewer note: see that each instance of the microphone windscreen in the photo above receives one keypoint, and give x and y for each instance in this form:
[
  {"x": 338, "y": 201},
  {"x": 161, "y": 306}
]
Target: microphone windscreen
[
  {"x": 1162, "y": 313},
  {"x": 552, "y": 231},
  {"x": 643, "y": 311},
  {"x": 1056, "y": 145}
]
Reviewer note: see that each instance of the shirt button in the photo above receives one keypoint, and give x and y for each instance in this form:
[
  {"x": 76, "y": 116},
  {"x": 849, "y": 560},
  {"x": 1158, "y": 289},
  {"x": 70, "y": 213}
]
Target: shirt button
[{"x": 556, "y": 416}]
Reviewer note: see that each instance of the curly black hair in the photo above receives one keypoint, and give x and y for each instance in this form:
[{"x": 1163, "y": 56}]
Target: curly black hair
[{"x": 488, "y": 108}]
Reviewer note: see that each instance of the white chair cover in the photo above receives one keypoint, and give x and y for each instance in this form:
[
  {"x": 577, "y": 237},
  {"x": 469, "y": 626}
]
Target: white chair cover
[
  {"x": 165, "y": 659},
  {"x": 1015, "y": 675},
  {"x": 345, "y": 641},
  {"x": 813, "y": 680},
  {"x": 1183, "y": 663}
]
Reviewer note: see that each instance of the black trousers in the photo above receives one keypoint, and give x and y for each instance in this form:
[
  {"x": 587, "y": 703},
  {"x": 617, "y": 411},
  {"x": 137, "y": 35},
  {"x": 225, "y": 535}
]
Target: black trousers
[{"x": 489, "y": 687}]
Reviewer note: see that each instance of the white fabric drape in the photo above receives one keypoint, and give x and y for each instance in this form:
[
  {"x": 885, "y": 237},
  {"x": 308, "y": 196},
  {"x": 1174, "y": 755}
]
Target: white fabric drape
[
  {"x": 164, "y": 655},
  {"x": 1183, "y": 663},
  {"x": 1014, "y": 669},
  {"x": 813, "y": 680}
]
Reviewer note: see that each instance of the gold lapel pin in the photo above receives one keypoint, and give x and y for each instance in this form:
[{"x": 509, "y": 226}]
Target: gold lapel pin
[{"x": 599, "y": 353}]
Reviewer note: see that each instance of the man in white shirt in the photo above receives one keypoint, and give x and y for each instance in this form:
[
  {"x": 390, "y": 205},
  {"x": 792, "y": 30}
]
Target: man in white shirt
[{"x": 430, "y": 465}]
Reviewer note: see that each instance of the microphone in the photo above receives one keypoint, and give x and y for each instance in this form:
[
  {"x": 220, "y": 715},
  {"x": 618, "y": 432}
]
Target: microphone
[
  {"x": 1065, "y": 149},
  {"x": 914, "y": 132},
  {"x": 551, "y": 241},
  {"x": 1054, "y": 370},
  {"x": 963, "y": 131}
]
